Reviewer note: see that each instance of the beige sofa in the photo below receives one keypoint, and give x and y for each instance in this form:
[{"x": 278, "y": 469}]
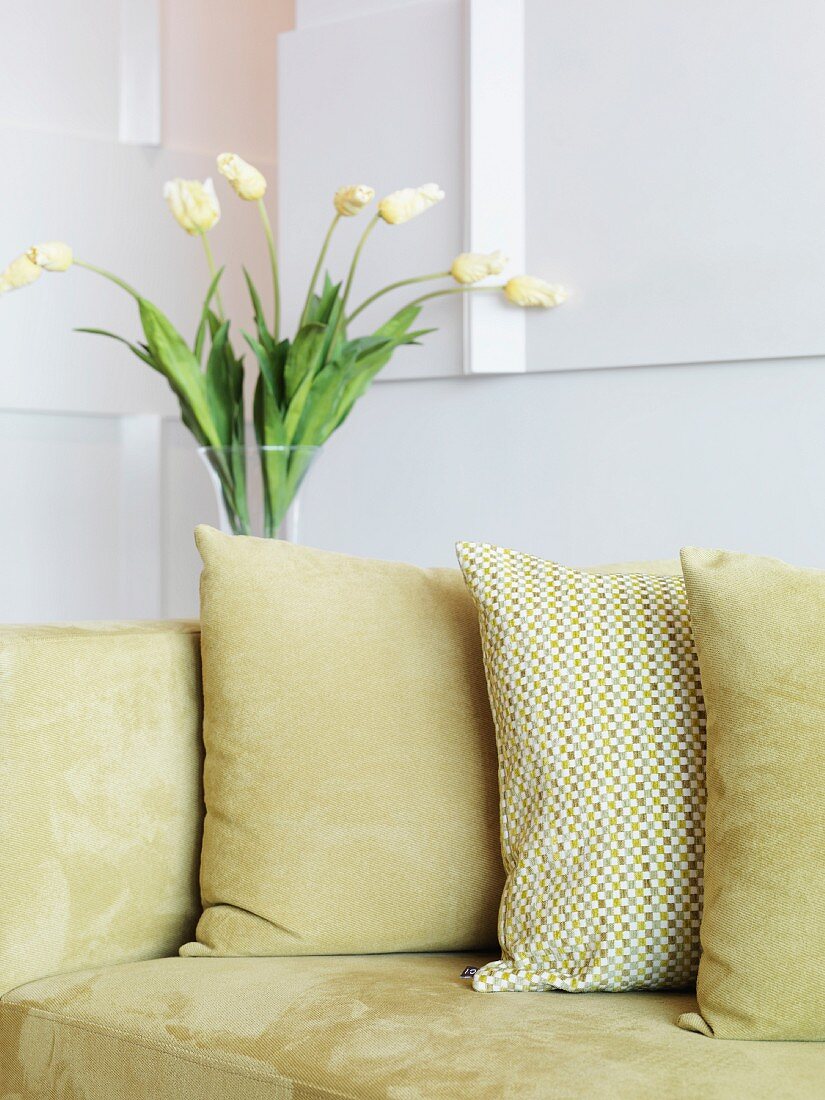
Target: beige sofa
[{"x": 100, "y": 763}]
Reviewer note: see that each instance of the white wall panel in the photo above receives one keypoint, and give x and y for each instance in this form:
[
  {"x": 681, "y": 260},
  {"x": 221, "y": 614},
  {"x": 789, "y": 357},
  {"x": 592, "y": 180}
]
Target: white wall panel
[
  {"x": 59, "y": 517},
  {"x": 97, "y": 516},
  {"x": 376, "y": 100},
  {"x": 309, "y": 13},
  {"x": 188, "y": 499},
  {"x": 106, "y": 200},
  {"x": 675, "y": 179},
  {"x": 583, "y": 467},
  {"x": 674, "y": 168},
  {"x": 495, "y": 336},
  {"x": 139, "y": 117},
  {"x": 93, "y": 515},
  {"x": 139, "y": 553},
  {"x": 220, "y": 76},
  {"x": 59, "y": 65}
]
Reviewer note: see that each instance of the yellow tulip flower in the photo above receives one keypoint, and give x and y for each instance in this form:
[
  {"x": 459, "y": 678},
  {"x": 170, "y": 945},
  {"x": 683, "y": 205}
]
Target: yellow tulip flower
[
  {"x": 51, "y": 256},
  {"x": 472, "y": 267},
  {"x": 527, "y": 290},
  {"x": 194, "y": 204},
  {"x": 19, "y": 273},
  {"x": 248, "y": 182},
  {"x": 351, "y": 200},
  {"x": 400, "y": 206}
]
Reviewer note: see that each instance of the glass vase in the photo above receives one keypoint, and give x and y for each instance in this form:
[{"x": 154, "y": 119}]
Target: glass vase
[{"x": 257, "y": 488}]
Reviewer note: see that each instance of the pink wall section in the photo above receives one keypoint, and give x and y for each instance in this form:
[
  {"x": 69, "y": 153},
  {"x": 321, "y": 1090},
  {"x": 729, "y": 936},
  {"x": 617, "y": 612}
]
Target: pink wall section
[{"x": 220, "y": 75}]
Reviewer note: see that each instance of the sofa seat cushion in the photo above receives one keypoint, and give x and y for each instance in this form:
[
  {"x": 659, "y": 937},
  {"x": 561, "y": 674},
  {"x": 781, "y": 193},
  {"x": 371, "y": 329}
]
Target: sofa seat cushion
[{"x": 405, "y": 1027}]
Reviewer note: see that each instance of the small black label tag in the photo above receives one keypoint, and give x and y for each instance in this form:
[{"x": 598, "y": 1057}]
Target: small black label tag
[{"x": 469, "y": 972}]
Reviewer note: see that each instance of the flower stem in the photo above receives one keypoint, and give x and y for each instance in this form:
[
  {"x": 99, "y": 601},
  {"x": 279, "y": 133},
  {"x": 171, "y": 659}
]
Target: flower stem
[
  {"x": 340, "y": 323},
  {"x": 356, "y": 257},
  {"x": 395, "y": 286},
  {"x": 452, "y": 290},
  {"x": 273, "y": 263},
  {"x": 107, "y": 275},
  {"x": 317, "y": 271},
  {"x": 210, "y": 260}
]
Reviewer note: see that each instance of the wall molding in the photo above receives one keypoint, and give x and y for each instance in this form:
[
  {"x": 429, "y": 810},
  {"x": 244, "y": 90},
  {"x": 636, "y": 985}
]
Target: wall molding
[
  {"x": 495, "y": 334},
  {"x": 479, "y": 90},
  {"x": 139, "y": 120},
  {"x": 140, "y": 549},
  {"x": 315, "y": 13}
]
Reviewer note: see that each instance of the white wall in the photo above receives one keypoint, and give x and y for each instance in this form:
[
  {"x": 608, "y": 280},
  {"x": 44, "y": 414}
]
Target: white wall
[
  {"x": 584, "y": 465},
  {"x": 84, "y": 512},
  {"x": 376, "y": 99},
  {"x": 53, "y": 542},
  {"x": 675, "y": 180},
  {"x": 73, "y": 180}
]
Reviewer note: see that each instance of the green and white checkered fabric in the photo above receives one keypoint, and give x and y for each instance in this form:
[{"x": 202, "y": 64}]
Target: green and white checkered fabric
[{"x": 595, "y": 690}]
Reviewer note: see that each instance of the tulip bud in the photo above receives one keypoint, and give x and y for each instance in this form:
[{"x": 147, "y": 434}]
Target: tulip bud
[
  {"x": 400, "y": 206},
  {"x": 247, "y": 181},
  {"x": 472, "y": 267},
  {"x": 194, "y": 204},
  {"x": 527, "y": 290},
  {"x": 51, "y": 256},
  {"x": 349, "y": 201},
  {"x": 19, "y": 273}
]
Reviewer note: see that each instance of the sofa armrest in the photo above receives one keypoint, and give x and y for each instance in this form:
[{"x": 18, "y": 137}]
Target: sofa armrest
[{"x": 101, "y": 807}]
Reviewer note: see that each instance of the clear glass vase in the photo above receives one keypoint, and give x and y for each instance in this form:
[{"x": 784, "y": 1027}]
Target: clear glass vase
[{"x": 257, "y": 488}]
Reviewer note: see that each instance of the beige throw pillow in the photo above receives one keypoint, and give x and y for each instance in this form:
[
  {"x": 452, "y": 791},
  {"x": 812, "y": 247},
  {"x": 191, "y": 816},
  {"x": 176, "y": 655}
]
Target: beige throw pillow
[
  {"x": 350, "y": 780},
  {"x": 760, "y": 633}
]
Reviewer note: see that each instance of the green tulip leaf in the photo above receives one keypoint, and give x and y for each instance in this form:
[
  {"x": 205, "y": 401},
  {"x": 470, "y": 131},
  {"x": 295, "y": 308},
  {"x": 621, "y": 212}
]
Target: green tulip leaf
[
  {"x": 321, "y": 306},
  {"x": 304, "y": 358},
  {"x": 271, "y": 364},
  {"x": 220, "y": 385},
  {"x": 397, "y": 325},
  {"x": 270, "y": 432},
  {"x": 303, "y": 362},
  {"x": 267, "y": 417},
  {"x": 319, "y": 411},
  {"x": 200, "y": 335},
  {"x": 264, "y": 335},
  {"x": 140, "y": 350},
  {"x": 178, "y": 363}
]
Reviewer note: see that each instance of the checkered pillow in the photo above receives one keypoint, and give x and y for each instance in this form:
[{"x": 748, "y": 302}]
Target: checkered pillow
[{"x": 594, "y": 685}]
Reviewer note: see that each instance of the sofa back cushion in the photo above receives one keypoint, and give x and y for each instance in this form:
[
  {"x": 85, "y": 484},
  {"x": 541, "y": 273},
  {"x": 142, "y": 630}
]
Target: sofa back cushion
[
  {"x": 101, "y": 808},
  {"x": 350, "y": 777},
  {"x": 350, "y": 781},
  {"x": 759, "y": 625}
]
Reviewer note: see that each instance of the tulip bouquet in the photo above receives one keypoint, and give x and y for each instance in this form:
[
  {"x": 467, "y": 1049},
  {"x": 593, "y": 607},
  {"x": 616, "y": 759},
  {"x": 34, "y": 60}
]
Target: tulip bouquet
[{"x": 306, "y": 386}]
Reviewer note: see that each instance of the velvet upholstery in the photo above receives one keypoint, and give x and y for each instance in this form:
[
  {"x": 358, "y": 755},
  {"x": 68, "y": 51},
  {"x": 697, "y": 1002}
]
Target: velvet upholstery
[
  {"x": 100, "y": 815},
  {"x": 759, "y": 626},
  {"x": 101, "y": 808},
  {"x": 100, "y": 811},
  {"x": 403, "y": 1027},
  {"x": 350, "y": 776}
]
